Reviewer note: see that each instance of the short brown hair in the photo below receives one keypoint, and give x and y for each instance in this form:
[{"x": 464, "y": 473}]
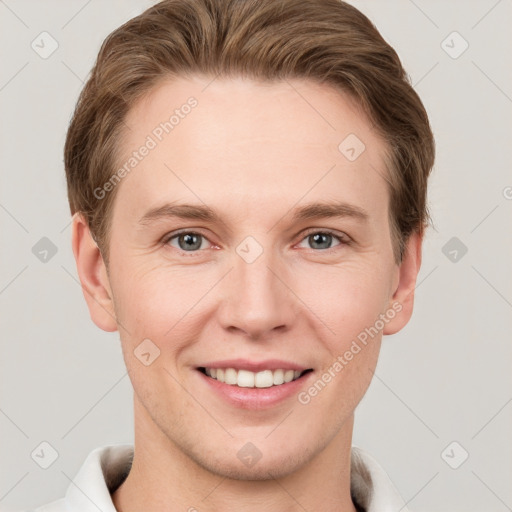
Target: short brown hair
[{"x": 327, "y": 41}]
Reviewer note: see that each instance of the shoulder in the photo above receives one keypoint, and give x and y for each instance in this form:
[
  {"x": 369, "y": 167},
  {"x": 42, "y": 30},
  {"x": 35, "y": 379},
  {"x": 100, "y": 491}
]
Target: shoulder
[
  {"x": 102, "y": 472},
  {"x": 371, "y": 487}
]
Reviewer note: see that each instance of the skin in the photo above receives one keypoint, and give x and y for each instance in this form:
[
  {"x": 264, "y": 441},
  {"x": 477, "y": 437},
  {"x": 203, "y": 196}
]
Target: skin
[{"x": 252, "y": 152}]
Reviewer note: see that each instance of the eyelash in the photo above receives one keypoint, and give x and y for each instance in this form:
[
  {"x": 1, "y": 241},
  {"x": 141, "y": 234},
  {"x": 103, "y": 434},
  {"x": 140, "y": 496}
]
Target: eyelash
[{"x": 342, "y": 239}]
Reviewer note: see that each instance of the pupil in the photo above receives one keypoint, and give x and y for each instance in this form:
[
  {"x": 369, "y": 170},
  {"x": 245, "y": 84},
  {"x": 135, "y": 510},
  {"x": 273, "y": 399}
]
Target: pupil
[
  {"x": 191, "y": 241},
  {"x": 321, "y": 238}
]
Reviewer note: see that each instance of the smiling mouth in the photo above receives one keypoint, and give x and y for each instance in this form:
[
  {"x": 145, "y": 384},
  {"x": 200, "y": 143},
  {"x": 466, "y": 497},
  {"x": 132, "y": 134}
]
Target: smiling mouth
[{"x": 248, "y": 379}]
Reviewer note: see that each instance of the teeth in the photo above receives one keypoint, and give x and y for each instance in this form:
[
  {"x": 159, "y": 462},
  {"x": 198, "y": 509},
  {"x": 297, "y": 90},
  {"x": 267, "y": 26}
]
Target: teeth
[
  {"x": 230, "y": 376},
  {"x": 278, "y": 377},
  {"x": 247, "y": 379},
  {"x": 288, "y": 375},
  {"x": 264, "y": 379}
]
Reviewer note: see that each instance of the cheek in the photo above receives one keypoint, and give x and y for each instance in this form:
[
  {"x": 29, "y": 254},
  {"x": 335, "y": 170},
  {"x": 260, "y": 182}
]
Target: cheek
[
  {"x": 346, "y": 299},
  {"x": 349, "y": 303},
  {"x": 155, "y": 304},
  {"x": 162, "y": 312},
  {"x": 155, "y": 297}
]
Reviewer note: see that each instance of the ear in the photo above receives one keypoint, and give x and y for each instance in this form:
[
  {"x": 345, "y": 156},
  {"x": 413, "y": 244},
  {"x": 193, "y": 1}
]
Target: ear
[
  {"x": 402, "y": 300},
  {"x": 93, "y": 275}
]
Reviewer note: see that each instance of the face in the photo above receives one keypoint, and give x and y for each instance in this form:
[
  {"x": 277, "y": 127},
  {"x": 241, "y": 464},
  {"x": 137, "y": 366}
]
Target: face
[{"x": 250, "y": 241}]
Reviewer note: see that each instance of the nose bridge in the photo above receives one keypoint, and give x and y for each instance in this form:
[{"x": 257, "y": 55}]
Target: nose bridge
[{"x": 257, "y": 301}]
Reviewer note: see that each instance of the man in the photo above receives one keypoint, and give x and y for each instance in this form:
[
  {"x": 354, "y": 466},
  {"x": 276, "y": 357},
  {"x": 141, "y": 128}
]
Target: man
[{"x": 248, "y": 182}]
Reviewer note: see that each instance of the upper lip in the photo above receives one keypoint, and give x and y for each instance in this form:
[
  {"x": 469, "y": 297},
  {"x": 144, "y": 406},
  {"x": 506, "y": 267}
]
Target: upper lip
[{"x": 255, "y": 366}]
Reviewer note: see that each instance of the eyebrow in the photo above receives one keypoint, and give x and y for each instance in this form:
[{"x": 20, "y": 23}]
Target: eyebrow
[{"x": 309, "y": 211}]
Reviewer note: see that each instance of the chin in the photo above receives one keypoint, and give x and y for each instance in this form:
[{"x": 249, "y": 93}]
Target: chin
[
  {"x": 266, "y": 468},
  {"x": 242, "y": 460}
]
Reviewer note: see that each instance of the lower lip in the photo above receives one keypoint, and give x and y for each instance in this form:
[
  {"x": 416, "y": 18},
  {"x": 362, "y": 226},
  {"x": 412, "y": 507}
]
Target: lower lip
[{"x": 255, "y": 398}]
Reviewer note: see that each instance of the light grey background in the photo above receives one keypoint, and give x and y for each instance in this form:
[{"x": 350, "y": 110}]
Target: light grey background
[{"x": 446, "y": 377}]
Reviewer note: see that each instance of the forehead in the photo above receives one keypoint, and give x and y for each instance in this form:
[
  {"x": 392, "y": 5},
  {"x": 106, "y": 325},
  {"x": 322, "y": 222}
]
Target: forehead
[
  {"x": 244, "y": 140},
  {"x": 294, "y": 111}
]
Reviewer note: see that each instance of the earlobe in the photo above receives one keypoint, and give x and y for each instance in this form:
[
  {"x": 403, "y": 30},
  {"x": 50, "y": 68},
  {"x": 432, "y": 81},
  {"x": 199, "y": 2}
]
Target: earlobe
[
  {"x": 93, "y": 275},
  {"x": 402, "y": 300}
]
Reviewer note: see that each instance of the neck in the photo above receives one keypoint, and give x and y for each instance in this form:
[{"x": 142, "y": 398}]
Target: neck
[{"x": 163, "y": 475}]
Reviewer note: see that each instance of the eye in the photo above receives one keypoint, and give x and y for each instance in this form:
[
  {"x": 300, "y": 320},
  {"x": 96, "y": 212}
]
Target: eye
[
  {"x": 188, "y": 241},
  {"x": 322, "y": 240}
]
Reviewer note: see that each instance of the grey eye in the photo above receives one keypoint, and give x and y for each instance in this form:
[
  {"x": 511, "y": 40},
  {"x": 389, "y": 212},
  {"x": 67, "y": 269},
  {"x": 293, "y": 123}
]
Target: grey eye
[
  {"x": 321, "y": 240},
  {"x": 188, "y": 241}
]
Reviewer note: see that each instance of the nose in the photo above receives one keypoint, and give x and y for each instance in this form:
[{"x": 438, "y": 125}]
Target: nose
[{"x": 257, "y": 299}]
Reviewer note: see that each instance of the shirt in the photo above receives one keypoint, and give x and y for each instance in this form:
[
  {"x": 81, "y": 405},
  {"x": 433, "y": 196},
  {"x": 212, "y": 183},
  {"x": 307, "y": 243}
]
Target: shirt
[{"x": 105, "y": 469}]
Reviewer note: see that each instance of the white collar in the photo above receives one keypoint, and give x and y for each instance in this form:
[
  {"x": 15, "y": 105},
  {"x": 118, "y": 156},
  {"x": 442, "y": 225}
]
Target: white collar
[{"x": 106, "y": 467}]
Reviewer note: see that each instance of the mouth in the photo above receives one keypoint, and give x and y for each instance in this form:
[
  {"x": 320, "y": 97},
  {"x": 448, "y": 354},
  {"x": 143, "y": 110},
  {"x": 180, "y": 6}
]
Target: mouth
[{"x": 242, "y": 378}]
